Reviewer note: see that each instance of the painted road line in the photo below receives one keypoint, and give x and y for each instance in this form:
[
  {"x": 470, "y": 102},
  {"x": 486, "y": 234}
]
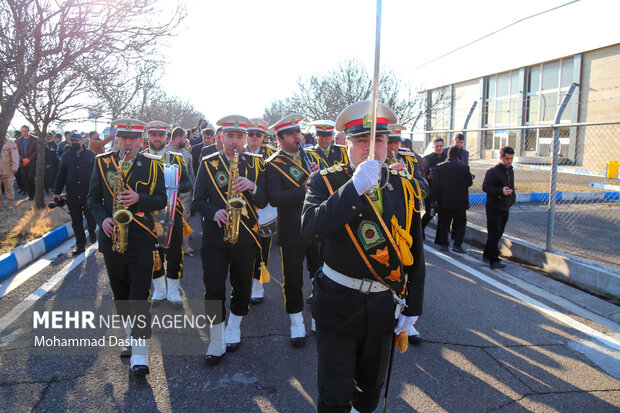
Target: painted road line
[
  {"x": 543, "y": 308},
  {"x": 555, "y": 299},
  {"x": 24, "y": 275},
  {"x": 29, "y": 301}
]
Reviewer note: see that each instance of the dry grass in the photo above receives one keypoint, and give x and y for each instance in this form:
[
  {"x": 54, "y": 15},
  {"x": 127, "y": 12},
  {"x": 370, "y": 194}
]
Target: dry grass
[{"x": 23, "y": 223}]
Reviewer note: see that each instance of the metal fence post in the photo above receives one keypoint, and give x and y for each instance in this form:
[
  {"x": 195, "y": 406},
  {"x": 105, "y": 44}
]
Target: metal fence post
[{"x": 554, "y": 167}]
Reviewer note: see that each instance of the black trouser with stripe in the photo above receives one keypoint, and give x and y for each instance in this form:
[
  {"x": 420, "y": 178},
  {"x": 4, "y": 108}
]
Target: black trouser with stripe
[
  {"x": 351, "y": 370},
  {"x": 262, "y": 255},
  {"x": 130, "y": 277},
  {"x": 292, "y": 268},
  {"x": 172, "y": 257},
  {"x": 217, "y": 262}
]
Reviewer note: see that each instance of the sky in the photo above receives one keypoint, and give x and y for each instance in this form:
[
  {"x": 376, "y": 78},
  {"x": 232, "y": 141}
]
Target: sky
[{"x": 236, "y": 57}]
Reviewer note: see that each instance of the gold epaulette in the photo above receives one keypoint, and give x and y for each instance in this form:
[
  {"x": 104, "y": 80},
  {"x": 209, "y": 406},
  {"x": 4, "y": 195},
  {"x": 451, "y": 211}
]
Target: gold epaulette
[
  {"x": 407, "y": 153},
  {"x": 331, "y": 169},
  {"x": 270, "y": 147},
  {"x": 402, "y": 174},
  {"x": 211, "y": 155},
  {"x": 272, "y": 157},
  {"x": 175, "y": 153}
]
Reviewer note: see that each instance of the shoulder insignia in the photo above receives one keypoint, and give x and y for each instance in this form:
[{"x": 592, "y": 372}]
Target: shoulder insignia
[
  {"x": 151, "y": 156},
  {"x": 393, "y": 171},
  {"x": 272, "y": 157},
  {"x": 323, "y": 172},
  {"x": 270, "y": 147},
  {"x": 175, "y": 153},
  {"x": 257, "y": 155},
  {"x": 106, "y": 154},
  {"x": 340, "y": 146},
  {"x": 211, "y": 155}
]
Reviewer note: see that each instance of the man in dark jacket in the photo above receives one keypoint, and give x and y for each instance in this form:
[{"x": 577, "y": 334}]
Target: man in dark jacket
[
  {"x": 430, "y": 163},
  {"x": 499, "y": 184},
  {"x": 450, "y": 192},
  {"x": 74, "y": 172},
  {"x": 28, "y": 149}
]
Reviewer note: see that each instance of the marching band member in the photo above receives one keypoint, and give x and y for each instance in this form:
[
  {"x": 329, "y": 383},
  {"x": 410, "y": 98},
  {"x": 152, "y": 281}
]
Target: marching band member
[
  {"x": 373, "y": 253},
  {"x": 121, "y": 181},
  {"x": 329, "y": 152},
  {"x": 220, "y": 253},
  {"x": 171, "y": 249},
  {"x": 287, "y": 173},
  {"x": 257, "y": 145}
]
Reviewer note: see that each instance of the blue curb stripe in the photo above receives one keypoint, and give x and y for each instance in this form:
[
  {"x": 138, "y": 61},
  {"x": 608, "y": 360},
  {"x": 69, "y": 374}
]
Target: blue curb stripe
[
  {"x": 55, "y": 237},
  {"x": 8, "y": 266},
  {"x": 612, "y": 196}
]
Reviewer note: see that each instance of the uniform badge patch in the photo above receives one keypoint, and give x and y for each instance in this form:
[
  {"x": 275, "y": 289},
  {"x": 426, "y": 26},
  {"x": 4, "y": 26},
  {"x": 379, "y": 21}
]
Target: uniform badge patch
[
  {"x": 221, "y": 178},
  {"x": 369, "y": 234},
  {"x": 110, "y": 176},
  {"x": 367, "y": 121},
  {"x": 295, "y": 172}
]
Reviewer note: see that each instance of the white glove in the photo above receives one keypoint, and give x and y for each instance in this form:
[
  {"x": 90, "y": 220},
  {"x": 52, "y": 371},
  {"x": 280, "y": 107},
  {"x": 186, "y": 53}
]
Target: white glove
[
  {"x": 404, "y": 322},
  {"x": 366, "y": 175}
]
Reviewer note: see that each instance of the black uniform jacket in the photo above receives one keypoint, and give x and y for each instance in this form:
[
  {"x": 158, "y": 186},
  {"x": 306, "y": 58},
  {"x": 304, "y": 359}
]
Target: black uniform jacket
[
  {"x": 75, "y": 171},
  {"x": 207, "y": 200},
  {"x": 289, "y": 200},
  {"x": 337, "y": 154},
  {"x": 450, "y": 184},
  {"x": 207, "y": 150},
  {"x": 145, "y": 179},
  {"x": 495, "y": 180},
  {"x": 324, "y": 218}
]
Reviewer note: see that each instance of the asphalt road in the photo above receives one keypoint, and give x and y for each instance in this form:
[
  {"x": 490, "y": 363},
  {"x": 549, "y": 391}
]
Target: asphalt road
[{"x": 485, "y": 349}]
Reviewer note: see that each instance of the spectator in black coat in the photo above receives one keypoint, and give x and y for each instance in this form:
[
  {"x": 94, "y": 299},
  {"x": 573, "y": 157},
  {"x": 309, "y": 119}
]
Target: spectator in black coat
[
  {"x": 74, "y": 172},
  {"x": 450, "y": 191},
  {"x": 459, "y": 141},
  {"x": 430, "y": 163},
  {"x": 499, "y": 184}
]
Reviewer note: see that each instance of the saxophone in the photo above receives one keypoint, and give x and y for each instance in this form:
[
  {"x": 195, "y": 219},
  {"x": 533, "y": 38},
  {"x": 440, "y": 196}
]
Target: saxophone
[
  {"x": 234, "y": 204},
  {"x": 122, "y": 217}
]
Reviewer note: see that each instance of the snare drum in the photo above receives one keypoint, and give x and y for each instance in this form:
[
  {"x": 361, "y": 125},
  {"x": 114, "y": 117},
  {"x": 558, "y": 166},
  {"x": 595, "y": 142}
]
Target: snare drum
[{"x": 268, "y": 221}]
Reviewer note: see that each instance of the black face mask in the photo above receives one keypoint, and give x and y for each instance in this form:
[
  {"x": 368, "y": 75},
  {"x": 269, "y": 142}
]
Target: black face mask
[{"x": 76, "y": 146}]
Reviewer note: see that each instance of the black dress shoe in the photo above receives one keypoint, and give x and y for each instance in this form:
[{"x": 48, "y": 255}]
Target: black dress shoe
[
  {"x": 256, "y": 301},
  {"x": 92, "y": 237},
  {"x": 444, "y": 248},
  {"x": 140, "y": 370},
  {"x": 213, "y": 360},
  {"x": 415, "y": 340},
  {"x": 298, "y": 342},
  {"x": 497, "y": 264},
  {"x": 232, "y": 347},
  {"x": 78, "y": 251},
  {"x": 458, "y": 249},
  {"x": 126, "y": 351}
]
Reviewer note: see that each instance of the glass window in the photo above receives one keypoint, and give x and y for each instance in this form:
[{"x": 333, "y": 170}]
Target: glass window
[
  {"x": 503, "y": 83},
  {"x": 515, "y": 108},
  {"x": 488, "y": 139},
  {"x": 549, "y": 106},
  {"x": 567, "y": 72},
  {"x": 512, "y": 138},
  {"x": 529, "y": 143},
  {"x": 532, "y": 108},
  {"x": 551, "y": 72},
  {"x": 501, "y": 111},
  {"x": 491, "y": 113},
  {"x": 534, "y": 80},
  {"x": 491, "y": 87},
  {"x": 515, "y": 87}
]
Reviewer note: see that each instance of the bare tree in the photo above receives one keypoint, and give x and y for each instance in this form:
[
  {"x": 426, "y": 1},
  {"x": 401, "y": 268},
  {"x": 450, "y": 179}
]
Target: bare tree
[
  {"x": 58, "y": 98},
  {"x": 170, "y": 109},
  {"x": 277, "y": 110},
  {"x": 41, "y": 38},
  {"x": 324, "y": 96},
  {"x": 119, "y": 83}
]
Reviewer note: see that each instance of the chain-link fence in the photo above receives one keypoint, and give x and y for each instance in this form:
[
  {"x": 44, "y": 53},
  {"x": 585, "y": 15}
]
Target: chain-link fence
[{"x": 586, "y": 213}]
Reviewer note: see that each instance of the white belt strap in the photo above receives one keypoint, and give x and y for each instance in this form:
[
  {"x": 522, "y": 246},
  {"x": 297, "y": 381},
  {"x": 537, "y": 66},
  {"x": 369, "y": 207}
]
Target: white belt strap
[{"x": 364, "y": 286}]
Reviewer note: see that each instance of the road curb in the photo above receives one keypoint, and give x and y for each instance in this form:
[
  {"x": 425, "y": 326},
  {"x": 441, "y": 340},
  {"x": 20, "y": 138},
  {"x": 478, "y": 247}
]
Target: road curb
[
  {"x": 592, "y": 277},
  {"x": 528, "y": 197},
  {"x": 30, "y": 251}
]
